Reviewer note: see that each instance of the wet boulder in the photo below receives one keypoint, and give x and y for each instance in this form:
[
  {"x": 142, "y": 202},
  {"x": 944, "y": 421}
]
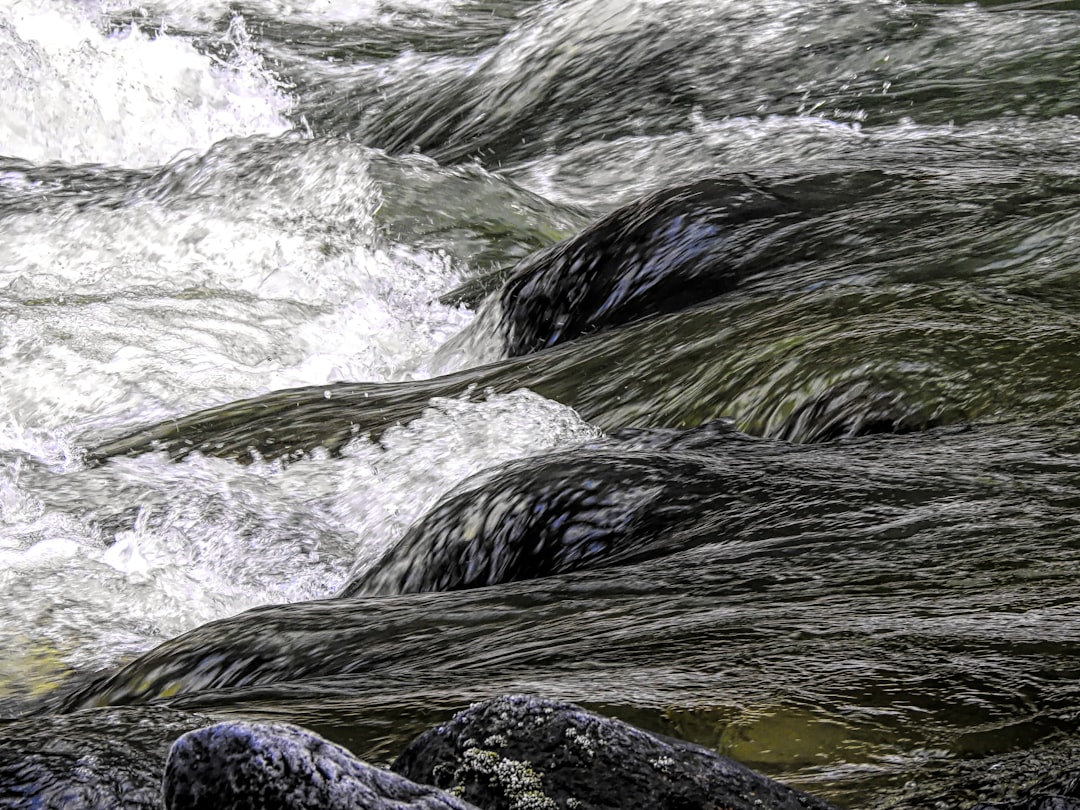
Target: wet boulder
[
  {"x": 668, "y": 251},
  {"x": 277, "y": 766},
  {"x": 575, "y": 510},
  {"x": 636, "y": 496},
  {"x": 519, "y": 752},
  {"x": 100, "y": 759}
]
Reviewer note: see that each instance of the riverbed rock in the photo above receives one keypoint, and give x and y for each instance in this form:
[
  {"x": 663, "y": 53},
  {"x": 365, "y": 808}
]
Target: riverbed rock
[
  {"x": 568, "y": 511},
  {"x": 276, "y": 766},
  {"x": 529, "y": 753},
  {"x": 100, "y": 759},
  {"x": 635, "y": 496},
  {"x": 670, "y": 250}
]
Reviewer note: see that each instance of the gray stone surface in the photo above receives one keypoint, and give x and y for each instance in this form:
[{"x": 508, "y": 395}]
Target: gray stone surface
[
  {"x": 527, "y": 753},
  {"x": 276, "y": 766},
  {"x": 98, "y": 759}
]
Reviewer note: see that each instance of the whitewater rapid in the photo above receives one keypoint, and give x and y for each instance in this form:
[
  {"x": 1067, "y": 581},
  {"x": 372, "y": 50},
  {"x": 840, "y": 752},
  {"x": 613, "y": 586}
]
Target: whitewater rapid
[{"x": 171, "y": 239}]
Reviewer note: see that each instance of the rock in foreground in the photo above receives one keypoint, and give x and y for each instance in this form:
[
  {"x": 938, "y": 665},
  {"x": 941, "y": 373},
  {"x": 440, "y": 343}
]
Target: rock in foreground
[
  {"x": 527, "y": 753},
  {"x": 276, "y": 766},
  {"x": 101, "y": 759}
]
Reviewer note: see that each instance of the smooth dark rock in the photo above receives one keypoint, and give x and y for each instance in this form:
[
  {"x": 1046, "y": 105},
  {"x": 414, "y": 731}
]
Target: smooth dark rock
[
  {"x": 575, "y": 510},
  {"x": 100, "y": 759},
  {"x": 678, "y": 247},
  {"x": 638, "y": 495},
  {"x": 527, "y": 753},
  {"x": 276, "y": 766}
]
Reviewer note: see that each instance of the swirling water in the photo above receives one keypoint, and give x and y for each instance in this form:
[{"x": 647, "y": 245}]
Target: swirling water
[{"x": 207, "y": 202}]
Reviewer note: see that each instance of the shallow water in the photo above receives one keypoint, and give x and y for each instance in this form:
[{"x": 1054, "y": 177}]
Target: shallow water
[{"x": 203, "y": 203}]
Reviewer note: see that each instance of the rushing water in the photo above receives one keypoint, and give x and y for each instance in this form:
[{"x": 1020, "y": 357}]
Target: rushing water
[{"x": 204, "y": 202}]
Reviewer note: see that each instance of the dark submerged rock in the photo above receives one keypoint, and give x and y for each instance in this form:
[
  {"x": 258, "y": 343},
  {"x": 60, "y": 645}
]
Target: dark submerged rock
[
  {"x": 581, "y": 509},
  {"x": 100, "y": 759},
  {"x": 276, "y": 766},
  {"x": 675, "y": 248},
  {"x": 528, "y": 753},
  {"x": 787, "y": 507}
]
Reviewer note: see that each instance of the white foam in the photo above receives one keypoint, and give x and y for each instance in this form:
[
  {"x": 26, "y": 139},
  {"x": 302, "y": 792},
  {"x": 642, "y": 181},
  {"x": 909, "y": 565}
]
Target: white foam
[
  {"x": 74, "y": 94},
  {"x": 251, "y": 268},
  {"x": 250, "y": 216},
  {"x": 481, "y": 342},
  {"x": 198, "y": 13},
  {"x": 103, "y": 562},
  {"x": 147, "y": 358},
  {"x": 414, "y": 464}
]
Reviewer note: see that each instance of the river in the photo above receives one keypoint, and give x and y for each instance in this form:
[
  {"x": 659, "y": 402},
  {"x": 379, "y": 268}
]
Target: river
[{"x": 271, "y": 203}]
